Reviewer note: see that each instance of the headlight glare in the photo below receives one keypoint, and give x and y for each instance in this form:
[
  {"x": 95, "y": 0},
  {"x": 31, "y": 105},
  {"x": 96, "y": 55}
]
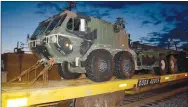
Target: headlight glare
[{"x": 17, "y": 102}]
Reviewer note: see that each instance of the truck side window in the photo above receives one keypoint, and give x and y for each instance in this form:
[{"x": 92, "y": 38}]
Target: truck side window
[
  {"x": 76, "y": 24},
  {"x": 69, "y": 24}
]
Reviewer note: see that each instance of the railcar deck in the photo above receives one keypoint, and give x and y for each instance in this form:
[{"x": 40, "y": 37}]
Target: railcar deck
[{"x": 39, "y": 93}]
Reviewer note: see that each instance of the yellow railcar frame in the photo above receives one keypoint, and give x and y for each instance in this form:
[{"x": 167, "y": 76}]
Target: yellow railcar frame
[{"x": 70, "y": 89}]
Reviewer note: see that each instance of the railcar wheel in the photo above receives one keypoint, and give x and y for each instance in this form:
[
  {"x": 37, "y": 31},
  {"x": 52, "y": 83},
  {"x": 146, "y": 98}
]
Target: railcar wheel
[
  {"x": 64, "y": 72},
  {"x": 124, "y": 65},
  {"x": 163, "y": 65},
  {"x": 99, "y": 66},
  {"x": 173, "y": 67}
]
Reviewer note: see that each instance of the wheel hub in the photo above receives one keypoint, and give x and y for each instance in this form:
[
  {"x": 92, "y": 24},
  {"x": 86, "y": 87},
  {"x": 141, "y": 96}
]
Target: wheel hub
[
  {"x": 102, "y": 65},
  {"x": 126, "y": 65},
  {"x": 162, "y": 64}
]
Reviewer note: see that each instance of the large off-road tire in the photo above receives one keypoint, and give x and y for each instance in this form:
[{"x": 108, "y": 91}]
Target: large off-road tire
[
  {"x": 99, "y": 66},
  {"x": 163, "y": 65},
  {"x": 124, "y": 65},
  {"x": 65, "y": 73},
  {"x": 173, "y": 66}
]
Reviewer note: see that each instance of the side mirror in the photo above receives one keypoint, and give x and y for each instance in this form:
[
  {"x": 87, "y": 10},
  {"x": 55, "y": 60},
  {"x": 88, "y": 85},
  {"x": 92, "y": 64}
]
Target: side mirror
[
  {"x": 82, "y": 25},
  {"x": 88, "y": 29}
]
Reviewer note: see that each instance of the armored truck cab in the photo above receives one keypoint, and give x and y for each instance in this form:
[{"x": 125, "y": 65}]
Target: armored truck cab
[{"x": 83, "y": 44}]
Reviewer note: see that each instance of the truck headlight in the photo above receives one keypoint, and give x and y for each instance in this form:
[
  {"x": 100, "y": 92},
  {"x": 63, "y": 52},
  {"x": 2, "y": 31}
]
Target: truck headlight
[
  {"x": 64, "y": 44},
  {"x": 70, "y": 46},
  {"x": 17, "y": 102}
]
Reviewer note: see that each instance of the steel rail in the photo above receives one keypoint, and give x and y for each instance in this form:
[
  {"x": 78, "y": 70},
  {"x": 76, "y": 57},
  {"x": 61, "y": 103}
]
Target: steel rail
[{"x": 156, "y": 97}]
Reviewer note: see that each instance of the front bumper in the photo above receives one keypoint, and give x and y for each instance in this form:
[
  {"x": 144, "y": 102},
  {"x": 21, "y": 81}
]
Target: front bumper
[{"x": 53, "y": 45}]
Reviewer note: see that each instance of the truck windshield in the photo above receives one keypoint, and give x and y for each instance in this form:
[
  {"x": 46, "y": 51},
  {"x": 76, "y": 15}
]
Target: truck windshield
[
  {"x": 55, "y": 23},
  {"x": 40, "y": 29}
]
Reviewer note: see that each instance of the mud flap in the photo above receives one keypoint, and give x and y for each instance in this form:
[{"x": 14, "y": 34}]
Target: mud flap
[{"x": 156, "y": 71}]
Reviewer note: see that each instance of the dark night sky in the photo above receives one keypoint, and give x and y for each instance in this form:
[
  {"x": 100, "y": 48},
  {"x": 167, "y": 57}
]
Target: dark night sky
[{"x": 149, "y": 22}]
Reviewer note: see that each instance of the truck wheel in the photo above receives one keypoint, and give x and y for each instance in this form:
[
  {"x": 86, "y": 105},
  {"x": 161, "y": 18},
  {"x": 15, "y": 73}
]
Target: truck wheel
[
  {"x": 124, "y": 65},
  {"x": 99, "y": 66},
  {"x": 65, "y": 73},
  {"x": 163, "y": 66},
  {"x": 173, "y": 67}
]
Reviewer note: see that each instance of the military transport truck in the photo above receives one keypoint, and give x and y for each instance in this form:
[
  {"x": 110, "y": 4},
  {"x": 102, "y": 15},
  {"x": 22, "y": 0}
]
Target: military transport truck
[{"x": 83, "y": 44}]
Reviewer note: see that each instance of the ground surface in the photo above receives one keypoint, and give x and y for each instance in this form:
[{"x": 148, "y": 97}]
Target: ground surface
[{"x": 180, "y": 100}]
